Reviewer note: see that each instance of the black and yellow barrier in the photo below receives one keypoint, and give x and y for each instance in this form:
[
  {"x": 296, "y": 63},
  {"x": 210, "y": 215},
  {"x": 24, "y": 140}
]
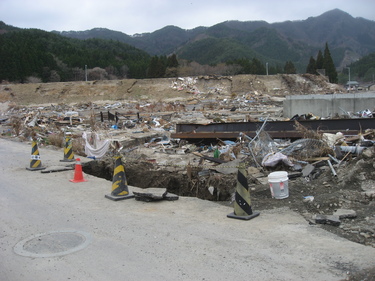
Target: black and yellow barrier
[
  {"x": 120, "y": 189},
  {"x": 242, "y": 204},
  {"x": 35, "y": 162},
  {"x": 68, "y": 150}
]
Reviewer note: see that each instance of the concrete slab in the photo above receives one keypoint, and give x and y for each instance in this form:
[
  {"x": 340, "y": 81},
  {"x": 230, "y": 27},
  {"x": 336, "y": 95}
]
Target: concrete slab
[{"x": 52, "y": 169}]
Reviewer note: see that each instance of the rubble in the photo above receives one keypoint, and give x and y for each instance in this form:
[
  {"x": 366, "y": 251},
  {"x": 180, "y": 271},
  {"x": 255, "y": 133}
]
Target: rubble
[
  {"x": 327, "y": 219},
  {"x": 154, "y": 194},
  {"x": 327, "y": 172},
  {"x": 345, "y": 213}
]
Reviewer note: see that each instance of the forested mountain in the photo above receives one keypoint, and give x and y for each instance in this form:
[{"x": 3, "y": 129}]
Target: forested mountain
[
  {"x": 364, "y": 68},
  {"x": 349, "y": 39},
  {"x": 36, "y": 54}
]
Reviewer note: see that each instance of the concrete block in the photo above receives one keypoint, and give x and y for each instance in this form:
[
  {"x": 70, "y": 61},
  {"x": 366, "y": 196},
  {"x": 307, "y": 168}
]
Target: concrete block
[{"x": 327, "y": 219}]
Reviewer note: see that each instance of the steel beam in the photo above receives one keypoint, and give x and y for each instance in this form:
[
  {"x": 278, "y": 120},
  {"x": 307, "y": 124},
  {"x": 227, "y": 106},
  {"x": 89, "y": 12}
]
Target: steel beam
[{"x": 276, "y": 129}]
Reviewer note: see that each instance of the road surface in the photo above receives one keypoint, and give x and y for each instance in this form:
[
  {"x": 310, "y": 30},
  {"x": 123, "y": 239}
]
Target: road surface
[{"x": 187, "y": 239}]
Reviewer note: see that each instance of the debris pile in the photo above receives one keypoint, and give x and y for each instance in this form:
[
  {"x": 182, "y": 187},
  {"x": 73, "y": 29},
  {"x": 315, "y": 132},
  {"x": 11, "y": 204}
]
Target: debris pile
[{"x": 330, "y": 175}]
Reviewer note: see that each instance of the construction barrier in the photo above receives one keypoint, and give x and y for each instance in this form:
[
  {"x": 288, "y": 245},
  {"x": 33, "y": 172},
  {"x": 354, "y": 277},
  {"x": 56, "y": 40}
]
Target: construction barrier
[
  {"x": 242, "y": 204},
  {"x": 35, "y": 162},
  {"x": 120, "y": 189},
  {"x": 68, "y": 150},
  {"x": 78, "y": 175}
]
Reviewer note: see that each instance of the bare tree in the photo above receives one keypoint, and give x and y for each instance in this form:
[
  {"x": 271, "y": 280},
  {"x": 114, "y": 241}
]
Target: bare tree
[
  {"x": 54, "y": 76},
  {"x": 124, "y": 71},
  {"x": 33, "y": 79},
  {"x": 97, "y": 73},
  {"x": 78, "y": 74}
]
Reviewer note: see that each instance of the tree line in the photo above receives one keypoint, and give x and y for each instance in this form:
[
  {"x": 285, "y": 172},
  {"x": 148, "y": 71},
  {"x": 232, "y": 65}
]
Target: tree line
[
  {"x": 323, "y": 62},
  {"x": 36, "y": 54},
  {"x": 32, "y": 55},
  {"x": 363, "y": 69}
]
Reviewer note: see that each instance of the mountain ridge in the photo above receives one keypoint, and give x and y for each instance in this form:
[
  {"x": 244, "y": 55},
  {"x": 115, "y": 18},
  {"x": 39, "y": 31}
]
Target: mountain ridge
[{"x": 350, "y": 37}]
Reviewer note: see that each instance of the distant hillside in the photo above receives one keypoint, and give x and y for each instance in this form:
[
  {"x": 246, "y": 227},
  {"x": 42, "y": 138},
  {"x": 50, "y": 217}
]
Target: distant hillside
[
  {"x": 161, "y": 42},
  {"x": 348, "y": 38},
  {"x": 32, "y": 55},
  {"x": 363, "y": 69},
  {"x": 5, "y": 28}
]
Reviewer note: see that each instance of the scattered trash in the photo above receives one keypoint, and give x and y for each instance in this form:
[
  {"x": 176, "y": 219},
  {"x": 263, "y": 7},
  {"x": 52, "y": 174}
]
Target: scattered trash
[
  {"x": 278, "y": 182},
  {"x": 367, "y": 113},
  {"x": 273, "y": 159},
  {"x": 352, "y": 149},
  {"x": 308, "y": 198},
  {"x": 332, "y": 169}
]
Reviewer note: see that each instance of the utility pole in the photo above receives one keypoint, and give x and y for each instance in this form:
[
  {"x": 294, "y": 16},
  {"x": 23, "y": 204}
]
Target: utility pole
[
  {"x": 349, "y": 74},
  {"x": 349, "y": 84},
  {"x": 86, "y": 72},
  {"x": 267, "y": 68}
]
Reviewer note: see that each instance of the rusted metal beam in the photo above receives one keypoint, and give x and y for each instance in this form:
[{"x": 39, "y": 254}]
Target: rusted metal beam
[
  {"x": 276, "y": 129},
  {"x": 229, "y": 135}
]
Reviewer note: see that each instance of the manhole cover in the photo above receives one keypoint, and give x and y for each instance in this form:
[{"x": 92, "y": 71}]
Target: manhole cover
[{"x": 54, "y": 243}]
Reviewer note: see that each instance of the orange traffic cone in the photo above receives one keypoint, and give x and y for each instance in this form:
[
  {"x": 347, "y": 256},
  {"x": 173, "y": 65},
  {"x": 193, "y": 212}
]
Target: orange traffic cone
[{"x": 78, "y": 175}]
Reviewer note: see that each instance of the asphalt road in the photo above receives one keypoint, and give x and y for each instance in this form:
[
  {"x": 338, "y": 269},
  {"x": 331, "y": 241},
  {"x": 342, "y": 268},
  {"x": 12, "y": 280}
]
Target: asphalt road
[{"x": 188, "y": 239}]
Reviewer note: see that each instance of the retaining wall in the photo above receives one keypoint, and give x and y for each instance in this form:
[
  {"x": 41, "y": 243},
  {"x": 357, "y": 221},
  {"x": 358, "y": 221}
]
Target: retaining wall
[{"x": 329, "y": 104}]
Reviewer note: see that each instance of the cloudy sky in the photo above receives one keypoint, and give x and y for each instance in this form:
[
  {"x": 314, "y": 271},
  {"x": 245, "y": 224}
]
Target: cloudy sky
[{"x": 139, "y": 16}]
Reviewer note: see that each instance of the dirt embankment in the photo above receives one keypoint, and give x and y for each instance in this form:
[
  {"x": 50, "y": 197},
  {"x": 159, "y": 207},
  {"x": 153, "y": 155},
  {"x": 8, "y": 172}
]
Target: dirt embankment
[{"x": 164, "y": 88}]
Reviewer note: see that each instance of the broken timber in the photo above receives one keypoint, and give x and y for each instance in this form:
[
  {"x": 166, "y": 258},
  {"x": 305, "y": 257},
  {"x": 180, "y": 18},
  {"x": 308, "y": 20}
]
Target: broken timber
[{"x": 276, "y": 129}]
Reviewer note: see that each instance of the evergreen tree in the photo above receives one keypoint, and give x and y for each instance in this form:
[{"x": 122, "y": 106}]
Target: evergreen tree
[
  {"x": 157, "y": 67},
  {"x": 246, "y": 66},
  {"x": 172, "y": 61},
  {"x": 289, "y": 68},
  {"x": 258, "y": 67},
  {"x": 171, "y": 66},
  {"x": 329, "y": 66},
  {"x": 152, "y": 70},
  {"x": 311, "y": 67},
  {"x": 275, "y": 69},
  {"x": 319, "y": 60}
]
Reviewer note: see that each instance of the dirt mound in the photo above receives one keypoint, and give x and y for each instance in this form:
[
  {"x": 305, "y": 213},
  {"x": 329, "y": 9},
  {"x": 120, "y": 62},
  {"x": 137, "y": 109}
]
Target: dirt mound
[{"x": 164, "y": 88}]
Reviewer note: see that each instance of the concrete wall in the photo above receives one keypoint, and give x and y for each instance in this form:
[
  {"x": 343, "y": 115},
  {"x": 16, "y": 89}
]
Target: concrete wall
[{"x": 328, "y": 105}]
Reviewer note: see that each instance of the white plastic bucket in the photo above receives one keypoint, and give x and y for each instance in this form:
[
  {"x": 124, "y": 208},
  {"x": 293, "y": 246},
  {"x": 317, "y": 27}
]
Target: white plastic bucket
[{"x": 279, "y": 184}]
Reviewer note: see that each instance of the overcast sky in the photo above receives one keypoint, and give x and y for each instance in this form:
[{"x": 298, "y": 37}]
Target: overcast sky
[{"x": 139, "y": 16}]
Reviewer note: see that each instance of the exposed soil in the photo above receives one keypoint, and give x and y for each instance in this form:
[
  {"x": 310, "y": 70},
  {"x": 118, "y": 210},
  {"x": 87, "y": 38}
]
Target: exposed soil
[{"x": 164, "y": 89}]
